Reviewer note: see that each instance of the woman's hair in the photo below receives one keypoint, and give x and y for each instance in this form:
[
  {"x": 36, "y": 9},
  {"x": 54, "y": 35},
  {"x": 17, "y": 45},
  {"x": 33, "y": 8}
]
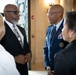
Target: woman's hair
[
  {"x": 71, "y": 20},
  {"x": 2, "y": 27}
]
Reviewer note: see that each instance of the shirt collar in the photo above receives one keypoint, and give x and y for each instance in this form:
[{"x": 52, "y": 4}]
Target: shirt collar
[
  {"x": 9, "y": 24},
  {"x": 58, "y": 25}
]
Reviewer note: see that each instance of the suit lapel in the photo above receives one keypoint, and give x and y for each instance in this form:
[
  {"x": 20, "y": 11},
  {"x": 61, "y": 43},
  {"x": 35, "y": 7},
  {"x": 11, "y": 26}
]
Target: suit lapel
[{"x": 10, "y": 32}]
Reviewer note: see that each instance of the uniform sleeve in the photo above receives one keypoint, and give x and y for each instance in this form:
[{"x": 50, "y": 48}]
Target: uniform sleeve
[{"x": 45, "y": 50}]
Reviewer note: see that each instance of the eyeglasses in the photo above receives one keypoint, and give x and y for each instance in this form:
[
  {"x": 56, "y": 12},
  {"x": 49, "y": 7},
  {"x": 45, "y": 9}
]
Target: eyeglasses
[
  {"x": 49, "y": 13},
  {"x": 15, "y": 12}
]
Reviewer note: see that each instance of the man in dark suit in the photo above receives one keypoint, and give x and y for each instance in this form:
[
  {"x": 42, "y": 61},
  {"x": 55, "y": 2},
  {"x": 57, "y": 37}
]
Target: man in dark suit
[
  {"x": 11, "y": 42},
  {"x": 54, "y": 42}
]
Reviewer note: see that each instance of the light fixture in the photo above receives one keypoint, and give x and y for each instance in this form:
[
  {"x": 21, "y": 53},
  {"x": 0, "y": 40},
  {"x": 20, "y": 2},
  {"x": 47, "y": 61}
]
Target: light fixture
[{"x": 49, "y": 3}]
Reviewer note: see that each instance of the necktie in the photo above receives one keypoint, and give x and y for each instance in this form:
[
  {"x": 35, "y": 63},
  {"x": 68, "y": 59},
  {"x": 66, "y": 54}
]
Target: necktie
[
  {"x": 53, "y": 32},
  {"x": 17, "y": 34}
]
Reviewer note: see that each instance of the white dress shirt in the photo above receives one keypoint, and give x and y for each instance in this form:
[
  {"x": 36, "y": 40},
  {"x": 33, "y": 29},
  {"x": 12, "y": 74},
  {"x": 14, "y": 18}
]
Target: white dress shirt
[
  {"x": 7, "y": 63},
  {"x": 58, "y": 25}
]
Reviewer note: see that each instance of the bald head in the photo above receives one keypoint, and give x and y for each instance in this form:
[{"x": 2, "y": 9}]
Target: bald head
[
  {"x": 10, "y": 7},
  {"x": 55, "y": 13},
  {"x": 11, "y": 13},
  {"x": 57, "y": 8}
]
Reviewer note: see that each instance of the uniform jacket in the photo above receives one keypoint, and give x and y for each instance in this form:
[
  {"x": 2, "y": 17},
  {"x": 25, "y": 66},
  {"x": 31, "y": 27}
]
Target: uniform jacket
[
  {"x": 65, "y": 61},
  {"x": 12, "y": 45},
  {"x": 51, "y": 47}
]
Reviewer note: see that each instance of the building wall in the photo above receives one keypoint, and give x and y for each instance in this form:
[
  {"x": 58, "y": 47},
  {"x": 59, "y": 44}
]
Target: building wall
[{"x": 39, "y": 24}]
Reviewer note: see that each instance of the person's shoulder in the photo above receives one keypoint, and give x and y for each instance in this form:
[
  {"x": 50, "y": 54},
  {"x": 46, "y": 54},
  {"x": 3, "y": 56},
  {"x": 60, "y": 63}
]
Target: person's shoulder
[
  {"x": 50, "y": 26},
  {"x": 65, "y": 52}
]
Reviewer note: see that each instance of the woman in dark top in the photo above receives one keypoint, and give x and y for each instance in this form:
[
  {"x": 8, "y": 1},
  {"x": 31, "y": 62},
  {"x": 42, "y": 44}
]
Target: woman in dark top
[{"x": 65, "y": 61}]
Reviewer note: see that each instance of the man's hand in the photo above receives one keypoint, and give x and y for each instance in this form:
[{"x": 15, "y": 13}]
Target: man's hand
[
  {"x": 20, "y": 59},
  {"x": 28, "y": 57},
  {"x": 49, "y": 71}
]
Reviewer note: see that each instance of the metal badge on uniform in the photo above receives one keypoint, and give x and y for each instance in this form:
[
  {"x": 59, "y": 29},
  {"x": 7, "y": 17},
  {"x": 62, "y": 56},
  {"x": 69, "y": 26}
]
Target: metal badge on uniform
[{"x": 61, "y": 44}]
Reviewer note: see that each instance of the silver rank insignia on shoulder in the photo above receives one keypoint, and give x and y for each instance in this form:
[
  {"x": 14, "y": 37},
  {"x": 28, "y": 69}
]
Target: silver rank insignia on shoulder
[{"x": 61, "y": 44}]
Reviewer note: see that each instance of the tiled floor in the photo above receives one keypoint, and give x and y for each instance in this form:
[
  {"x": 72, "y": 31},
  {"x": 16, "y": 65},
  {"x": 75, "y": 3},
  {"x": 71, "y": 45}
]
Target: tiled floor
[{"x": 37, "y": 73}]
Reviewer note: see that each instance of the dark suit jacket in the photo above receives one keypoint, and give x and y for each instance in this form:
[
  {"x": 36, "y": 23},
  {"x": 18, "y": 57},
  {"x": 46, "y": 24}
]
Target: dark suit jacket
[
  {"x": 65, "y": 61},
  {"x": 12, "y": 45},
  {"x": 51, "y": 47}
]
